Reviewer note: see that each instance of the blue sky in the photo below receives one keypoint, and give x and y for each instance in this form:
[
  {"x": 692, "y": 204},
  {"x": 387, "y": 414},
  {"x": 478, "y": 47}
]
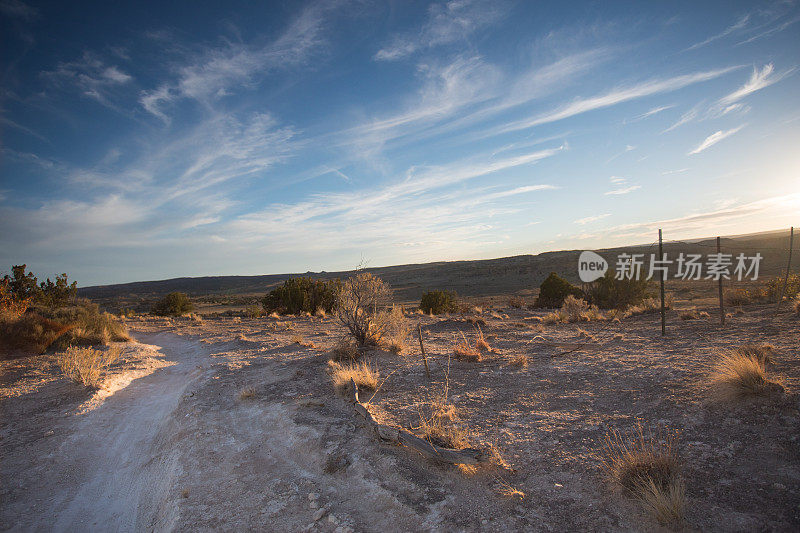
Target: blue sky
[{"x": 201, "y": 138}]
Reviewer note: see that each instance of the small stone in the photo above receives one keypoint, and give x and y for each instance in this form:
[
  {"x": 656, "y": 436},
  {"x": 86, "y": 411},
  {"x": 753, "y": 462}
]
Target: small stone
[
  {"x": 319, "y": 514},
  {"x": 332, "y": 518},
  {"x": 313, "y": 496},
  {"x": 779, "y": 486},
  {"x": 313, "y": 504}
]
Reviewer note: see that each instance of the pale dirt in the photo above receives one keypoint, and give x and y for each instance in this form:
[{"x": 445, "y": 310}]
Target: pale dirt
[{"x": 170, "y": 445}]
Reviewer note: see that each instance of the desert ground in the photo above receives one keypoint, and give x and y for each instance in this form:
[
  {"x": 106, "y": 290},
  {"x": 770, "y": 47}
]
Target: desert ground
[{"x": 232, "y": 423}]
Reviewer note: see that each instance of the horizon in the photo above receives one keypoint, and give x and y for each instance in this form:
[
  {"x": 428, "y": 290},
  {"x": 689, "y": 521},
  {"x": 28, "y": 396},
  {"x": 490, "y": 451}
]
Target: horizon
[
  {"x": 162, "y": 142},
  {"x": 368, "y": 266}
]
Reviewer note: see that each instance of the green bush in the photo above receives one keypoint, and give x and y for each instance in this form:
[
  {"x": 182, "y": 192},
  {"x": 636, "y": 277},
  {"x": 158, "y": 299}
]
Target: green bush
[
  {"x": 609, "y": 292},
  {"x": 437, "y": 302},
  {"x": 554, "y": 290},
  {"x": 173, "y": 304},
  {"x": 298, "y": 295},
  {"x": 47, "y": 293}
]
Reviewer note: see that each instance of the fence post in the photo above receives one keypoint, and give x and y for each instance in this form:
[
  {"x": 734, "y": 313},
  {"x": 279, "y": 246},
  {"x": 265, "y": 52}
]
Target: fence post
[
  {"x": 788, "y": 267},
  {"x": 719, "y": 282},
  {"x": 663, "y": 307}
]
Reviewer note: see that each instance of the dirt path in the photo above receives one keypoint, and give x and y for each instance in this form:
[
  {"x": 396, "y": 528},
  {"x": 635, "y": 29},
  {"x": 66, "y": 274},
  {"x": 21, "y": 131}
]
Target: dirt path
[{"x": 109, "y": 470}]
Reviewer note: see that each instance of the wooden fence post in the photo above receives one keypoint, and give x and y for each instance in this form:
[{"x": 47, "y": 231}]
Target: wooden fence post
[
  {"x": 719, "y": 282},
  {"x": 788, "y": 267},
  {"x": 422, "y": 349},
  {"x": 663, "y": 307}
]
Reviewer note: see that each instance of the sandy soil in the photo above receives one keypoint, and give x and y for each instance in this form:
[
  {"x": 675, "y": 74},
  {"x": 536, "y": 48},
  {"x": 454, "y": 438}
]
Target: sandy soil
[{"x": 171, "y": 445}]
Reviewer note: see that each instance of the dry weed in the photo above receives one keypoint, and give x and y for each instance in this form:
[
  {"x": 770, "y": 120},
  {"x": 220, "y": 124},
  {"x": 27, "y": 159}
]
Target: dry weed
[
  {"x": 738, "y": 374},
  {"x": 465, "y": 351},
  {"x": 85, "y": 365},
  {"x": 647, "y": 466},
  {"x": 247, "y": 393},
  {"x": 364, "y": 375},
  {"x": 518, "y": 361},
  {"x": 346, "y": 350}
]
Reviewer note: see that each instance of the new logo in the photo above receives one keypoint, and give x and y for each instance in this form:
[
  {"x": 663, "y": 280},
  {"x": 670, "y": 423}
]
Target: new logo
[{"x": 591, "y": 266}]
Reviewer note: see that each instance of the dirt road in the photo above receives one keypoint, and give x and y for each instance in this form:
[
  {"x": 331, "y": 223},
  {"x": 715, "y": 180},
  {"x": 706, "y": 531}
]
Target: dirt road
[{"x": 108, "y": 469}]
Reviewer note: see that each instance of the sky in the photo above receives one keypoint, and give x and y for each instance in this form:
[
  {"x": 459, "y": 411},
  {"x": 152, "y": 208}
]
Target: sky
[{"x": 158, "y": 140}]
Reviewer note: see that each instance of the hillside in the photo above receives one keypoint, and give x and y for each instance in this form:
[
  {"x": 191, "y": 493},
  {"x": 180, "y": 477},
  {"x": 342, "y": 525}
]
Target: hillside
[{"x": 469, "y": 278}]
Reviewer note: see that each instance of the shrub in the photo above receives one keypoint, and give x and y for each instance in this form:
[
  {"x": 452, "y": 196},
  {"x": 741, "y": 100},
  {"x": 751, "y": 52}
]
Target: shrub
[
  {"x": 173, "y": 304},
  {"x": 554, "y": 290},
  {"x": 609, "y": 292},
  {"x": 774, "y": 287},
  {"x": 11, "y": 307},
  {"x": 365, "y": 377},
  {"x": 302, "y": 295},
  {"x": 254, "y": 311},
  {"x": 85, "y": 365},
  {"x": 396, "y": 328},
  {"x": 51, "y": 294},
  {"x": 438, "y": 302},
  {"x": 357, "y": 308},
  {"x": 797, "y": 304},
  {"x": 739, "y": 297},
  {"x": 90, "y": 326},
  {"x": 30, "y": 332},
  {"x": 648, "y": 468}
]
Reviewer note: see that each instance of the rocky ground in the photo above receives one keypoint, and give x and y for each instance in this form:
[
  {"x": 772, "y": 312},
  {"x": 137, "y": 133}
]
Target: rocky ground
[{"x": 171, "y": 443}]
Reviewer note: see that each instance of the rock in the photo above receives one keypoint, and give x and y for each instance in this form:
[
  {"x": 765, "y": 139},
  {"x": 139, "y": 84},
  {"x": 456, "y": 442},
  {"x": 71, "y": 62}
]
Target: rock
[
  {"x": 313, "y": 504},
  {"x": 313, "y": 496},
  {"x": 319, "y": 514},
  {"x": 332, "y": 519}
]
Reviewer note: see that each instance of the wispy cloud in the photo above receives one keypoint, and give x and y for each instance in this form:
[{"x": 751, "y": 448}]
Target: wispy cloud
[
  {"x": 739, "y": 25},
  {"x": 758, "y": 80},
  {"x": 91, "y": 76},
  {"x": 212, "y": 73},
  {"x": 772, "y": 31},
  {"x": 446, "y": 23},
  {"x": 714, "y": 138},
  {"x": 15, "y": 8},
  {"x": 685, "y": 119},
  {"x": 623, "y": 190},
  {"x": 615, "y": 97},
  {"x": 594, "y": 218},
  {"x": 650, "y": 113}
]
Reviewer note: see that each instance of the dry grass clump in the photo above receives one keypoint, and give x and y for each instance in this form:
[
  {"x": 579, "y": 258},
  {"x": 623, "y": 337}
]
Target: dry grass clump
[
  {"x": 365, "y": 376},
  {"x": 464, "y": 350},
  {"x": 85, "y": 365},
  {"x": 574, "y": 310},
  {"x": 297, "y": 339},
  {"x": 688, "y": 314},
  {"x": 441, "y": 427},
  {"x": 648, "y": 468},
  {"x": 739, "y": 297},
  {"x": 741, "y": 372},
  {"x": 763, "y": 352},
  {"x": 649, "y": 305},
  {"x": 345, "y": 350},
  {"x": 796, "y": 304},
  {"x": 248, "y": 393},
  {"x": 507, "y": 491}
]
